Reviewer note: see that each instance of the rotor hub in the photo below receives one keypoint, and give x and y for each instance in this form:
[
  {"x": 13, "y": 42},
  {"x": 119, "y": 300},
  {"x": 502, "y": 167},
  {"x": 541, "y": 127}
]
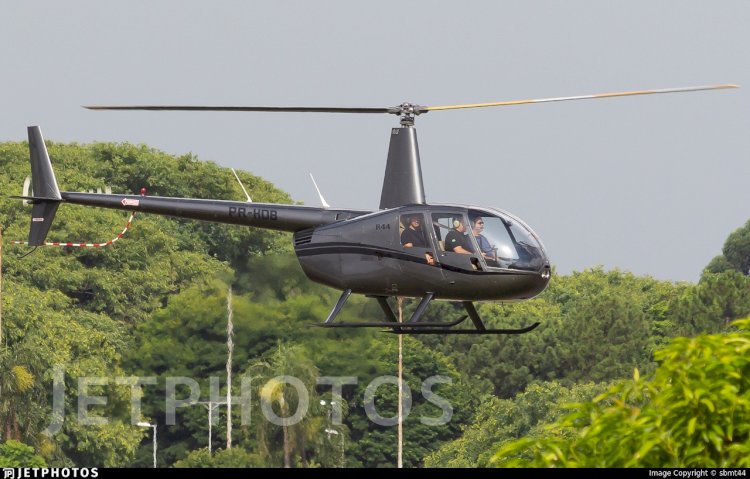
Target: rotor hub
[{"x": 407, "y": 112}]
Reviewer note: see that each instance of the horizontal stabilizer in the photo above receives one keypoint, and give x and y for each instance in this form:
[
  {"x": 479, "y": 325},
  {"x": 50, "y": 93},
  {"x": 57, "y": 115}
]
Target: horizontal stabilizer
[{"x": 32, "y": 199}]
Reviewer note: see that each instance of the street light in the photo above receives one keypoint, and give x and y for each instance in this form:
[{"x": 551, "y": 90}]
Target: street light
[
  {"x": 332, "y": 432},
  {"x": 148, "y": 424},
  {"x": 211, "y": 405}
]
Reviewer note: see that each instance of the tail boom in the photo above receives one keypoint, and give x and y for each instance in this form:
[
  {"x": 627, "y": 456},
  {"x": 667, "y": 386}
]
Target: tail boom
[
  {"x": 261, "y": 215},
  {"x": 46, "y": 197}
]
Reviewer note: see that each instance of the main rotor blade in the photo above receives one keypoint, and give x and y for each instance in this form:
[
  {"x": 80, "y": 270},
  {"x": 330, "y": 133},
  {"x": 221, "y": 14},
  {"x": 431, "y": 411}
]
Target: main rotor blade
[
  {"x": 581, "y": 97},
  {"x": 303, "y": 109}
]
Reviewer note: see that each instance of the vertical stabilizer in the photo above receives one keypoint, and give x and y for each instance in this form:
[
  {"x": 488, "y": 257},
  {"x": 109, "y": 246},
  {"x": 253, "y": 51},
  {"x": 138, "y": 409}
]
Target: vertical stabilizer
[
  {"x": 402, "y": 184},
  {"x": 43, "y": 179},
  {"x": 46, "y": 195}
]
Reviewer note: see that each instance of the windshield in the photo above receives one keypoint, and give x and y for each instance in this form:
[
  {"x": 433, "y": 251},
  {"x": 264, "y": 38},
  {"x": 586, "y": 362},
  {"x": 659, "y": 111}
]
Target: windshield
[{"x": 505, "y": 243}]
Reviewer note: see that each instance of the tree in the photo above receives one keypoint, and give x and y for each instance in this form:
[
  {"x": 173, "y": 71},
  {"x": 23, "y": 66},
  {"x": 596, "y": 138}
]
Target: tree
[
  {"x": 735, "y": 253},
  {"x": 693, "y": 412},
  {"x": 15, "y": 382},
  {"x": 16, "y": 454},
  {"x": 498, "y": 421},
  {"x": 275, "y": 391},
  {"x": 596, "y": 325},
  {"x": 737, "y": 249},
  {"x": 374, "y": 444},
  {"x": 76, "y": 308},
  {"x": 717, "y": 300},
  {"x": 223, "y": 458}
]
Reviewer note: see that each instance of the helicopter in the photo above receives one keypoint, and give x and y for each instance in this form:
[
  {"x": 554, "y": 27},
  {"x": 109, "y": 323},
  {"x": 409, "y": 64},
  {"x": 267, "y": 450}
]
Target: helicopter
[{"x": 406, "y": 248}]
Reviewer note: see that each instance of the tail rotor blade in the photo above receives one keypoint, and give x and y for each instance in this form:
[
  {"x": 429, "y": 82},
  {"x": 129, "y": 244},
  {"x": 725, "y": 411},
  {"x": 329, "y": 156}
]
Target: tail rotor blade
[{"x": 27, "y": 190}]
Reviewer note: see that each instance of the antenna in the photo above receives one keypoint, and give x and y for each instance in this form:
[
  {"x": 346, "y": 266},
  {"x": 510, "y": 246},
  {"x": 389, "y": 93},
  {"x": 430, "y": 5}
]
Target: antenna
[
  {"x": 249, "y": 200},
  {"x": 322, "y": 200}
]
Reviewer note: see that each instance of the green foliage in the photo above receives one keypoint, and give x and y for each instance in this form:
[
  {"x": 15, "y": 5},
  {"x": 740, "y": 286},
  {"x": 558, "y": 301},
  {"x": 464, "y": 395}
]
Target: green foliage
[
  {"x": 187, "y": 338},
  {"x": 17, "y": 454},
  {"x": 285, "y": 401},
  {"x": 42, "y": 336},
  {"x": 498, "y": 421},
  {"x": 693, "y": 412},
  {"x": 74, "y": 309},
  {"x": 718, "y": 264},
  {"x": 157, "y": 257},
  {"x": 223, "y": 458},
  {"x": 735, "y": 253},
  {"x": 737, "y": 249},
  {"x": 595, "y": 326},
  {"x": 709, "y": 306},
  {"x": 375, "y": 445}
]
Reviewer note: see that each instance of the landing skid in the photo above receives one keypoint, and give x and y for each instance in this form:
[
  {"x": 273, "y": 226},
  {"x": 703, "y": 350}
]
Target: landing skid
[
  {"x": 414, "y": 325},
  {"x": 406, "y": 330}
]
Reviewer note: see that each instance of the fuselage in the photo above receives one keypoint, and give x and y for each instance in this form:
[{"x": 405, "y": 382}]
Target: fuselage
[{"x": 368, "y": 255}]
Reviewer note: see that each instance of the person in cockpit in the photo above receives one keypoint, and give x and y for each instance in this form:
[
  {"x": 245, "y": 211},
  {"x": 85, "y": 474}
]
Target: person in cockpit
[
  {"x": 487, "y": 250},
  {"x": 456, "y": 240},
  {"x": 413, "y": 237}
]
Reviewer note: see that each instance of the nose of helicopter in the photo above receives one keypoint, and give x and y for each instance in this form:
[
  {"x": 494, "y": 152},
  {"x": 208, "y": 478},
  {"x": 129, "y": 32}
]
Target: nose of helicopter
[
  {"x": 539, "y": 282},
  {"x": 520, "y": 286}
]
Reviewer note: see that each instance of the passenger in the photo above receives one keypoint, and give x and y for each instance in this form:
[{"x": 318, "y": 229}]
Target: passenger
[
  {"x": 413, "y": 234},
  {"x": 456, "y": 240}
]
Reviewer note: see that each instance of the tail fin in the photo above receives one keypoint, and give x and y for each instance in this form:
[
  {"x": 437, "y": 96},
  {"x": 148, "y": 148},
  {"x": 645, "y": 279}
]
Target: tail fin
[{"x": 46, "y": 195}]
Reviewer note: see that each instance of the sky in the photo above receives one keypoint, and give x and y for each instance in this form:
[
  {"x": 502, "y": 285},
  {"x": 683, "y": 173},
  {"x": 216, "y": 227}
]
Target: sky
[{"x": 651, "y": 184}]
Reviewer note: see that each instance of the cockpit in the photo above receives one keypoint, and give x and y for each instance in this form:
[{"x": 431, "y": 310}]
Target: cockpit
[{"x": 499, "y": 239}]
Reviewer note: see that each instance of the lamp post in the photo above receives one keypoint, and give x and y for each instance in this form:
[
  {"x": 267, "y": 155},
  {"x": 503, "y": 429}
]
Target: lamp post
[
  {"x": 332, "y": 432},
  {"x": 148, "y": 424},
  {"x": 211, "y": 405}
]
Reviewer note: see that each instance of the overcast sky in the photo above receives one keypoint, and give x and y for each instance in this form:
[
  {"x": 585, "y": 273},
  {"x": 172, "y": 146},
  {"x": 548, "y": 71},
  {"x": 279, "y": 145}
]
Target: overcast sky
[{"x": 650, "y": 184}]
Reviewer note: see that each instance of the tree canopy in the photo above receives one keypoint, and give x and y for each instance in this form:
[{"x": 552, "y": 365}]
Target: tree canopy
[{"x": 694, "y": 411}]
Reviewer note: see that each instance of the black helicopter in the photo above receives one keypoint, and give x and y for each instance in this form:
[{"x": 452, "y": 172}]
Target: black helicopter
[{"x": 407, "y": 248}]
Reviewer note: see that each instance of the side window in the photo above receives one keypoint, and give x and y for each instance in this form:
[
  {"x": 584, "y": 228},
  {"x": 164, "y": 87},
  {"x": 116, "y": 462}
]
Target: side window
[
  {"x": 451, "y": 232},
  {"x": 412, "y": 233},
  {"x": 441, "y": 224}
]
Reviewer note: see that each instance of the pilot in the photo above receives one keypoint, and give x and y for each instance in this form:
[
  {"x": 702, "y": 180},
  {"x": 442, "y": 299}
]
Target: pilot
[
  {"x": 413, "y": 234},
  {"x": 477, "y": 226},
  {"x": 456, "y": 240}
]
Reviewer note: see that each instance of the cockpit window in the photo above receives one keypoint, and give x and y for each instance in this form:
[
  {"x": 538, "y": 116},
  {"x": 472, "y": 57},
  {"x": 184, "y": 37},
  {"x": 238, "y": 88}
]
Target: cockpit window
[{"x": 505, "y": 243}]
